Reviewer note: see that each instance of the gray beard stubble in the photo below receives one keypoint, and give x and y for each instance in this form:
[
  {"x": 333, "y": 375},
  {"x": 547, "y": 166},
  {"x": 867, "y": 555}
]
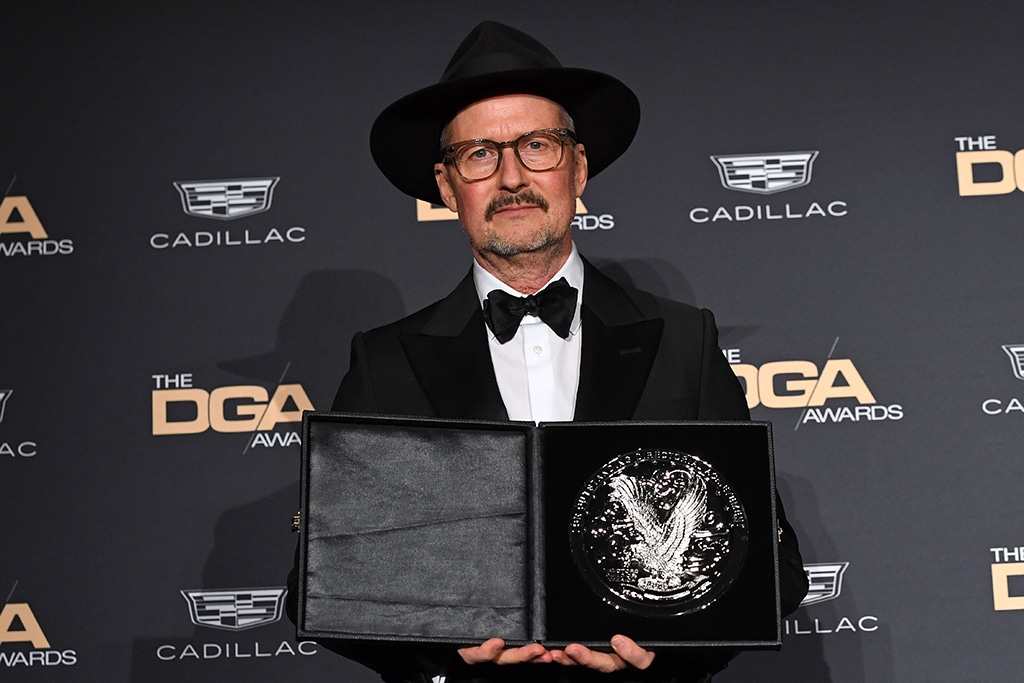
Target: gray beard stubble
[{"x": 499, "y": 246}]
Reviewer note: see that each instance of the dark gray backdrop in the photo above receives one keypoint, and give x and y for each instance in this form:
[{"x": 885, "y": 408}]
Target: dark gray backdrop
[{"x": 912, "y": 285}]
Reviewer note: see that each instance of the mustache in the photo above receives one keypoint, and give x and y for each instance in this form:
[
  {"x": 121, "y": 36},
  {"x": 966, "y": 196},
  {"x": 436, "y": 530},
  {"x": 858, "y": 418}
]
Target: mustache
[{"x": 524, "y": 197}]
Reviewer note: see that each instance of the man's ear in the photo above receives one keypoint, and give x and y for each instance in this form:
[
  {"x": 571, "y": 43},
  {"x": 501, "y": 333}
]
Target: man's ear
[
  {"x": 579, "y": 154},
  {"x": 444, "y": 187}
]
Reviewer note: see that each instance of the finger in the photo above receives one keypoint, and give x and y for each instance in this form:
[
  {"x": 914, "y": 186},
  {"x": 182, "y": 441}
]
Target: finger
[
  {"x": 631, "y": 653},
  {"x": 604, "y": 662},
  {"x": 494, "y": 650},
  {"x": 533, "y": 653},
  {"x": 488, "y": 651}
]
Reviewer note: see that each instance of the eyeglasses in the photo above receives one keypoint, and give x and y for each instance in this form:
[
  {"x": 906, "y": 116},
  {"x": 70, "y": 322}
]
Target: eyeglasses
[{"x": 538, "y": 150}]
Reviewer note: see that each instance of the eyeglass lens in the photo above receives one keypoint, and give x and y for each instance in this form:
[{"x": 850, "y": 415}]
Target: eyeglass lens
[{"x": 537, "y": 151}]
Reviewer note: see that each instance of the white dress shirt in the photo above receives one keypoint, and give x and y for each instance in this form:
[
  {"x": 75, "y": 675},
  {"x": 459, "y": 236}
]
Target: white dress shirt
[{"x": 538, "y": 372}]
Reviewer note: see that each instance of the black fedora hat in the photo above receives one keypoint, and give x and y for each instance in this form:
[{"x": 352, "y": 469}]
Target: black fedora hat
[{"x": 495, "y": 59}]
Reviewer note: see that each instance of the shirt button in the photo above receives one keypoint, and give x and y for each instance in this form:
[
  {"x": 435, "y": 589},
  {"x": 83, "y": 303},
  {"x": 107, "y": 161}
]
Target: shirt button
[{"x": 538, "y": 349}]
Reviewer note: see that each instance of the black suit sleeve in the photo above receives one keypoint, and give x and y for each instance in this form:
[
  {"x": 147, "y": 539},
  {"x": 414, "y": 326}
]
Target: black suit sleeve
[
  {"x": 720, "y": 394},
  {"x": 722, "y": 398},
  {"x": 356, "y": 391}
]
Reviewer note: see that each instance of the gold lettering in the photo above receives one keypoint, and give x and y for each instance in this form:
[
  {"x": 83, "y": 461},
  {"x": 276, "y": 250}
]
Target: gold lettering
[
  {"x": 29, "y": 220},
  {"x": 30, "y": 632},
  {"x": 275, "y": 409},
  {"x": 802, "y": 387},
  {"x": 425, "y": 211},
  {"x": 163, "y": 397},
  {"x": 826, "y": 387},
  {"x": 220, "y": 422},
  {"x": 965, "y": 162},
  {"x": 253, "y": 413},
  {"x": 1001, "y": 597}
]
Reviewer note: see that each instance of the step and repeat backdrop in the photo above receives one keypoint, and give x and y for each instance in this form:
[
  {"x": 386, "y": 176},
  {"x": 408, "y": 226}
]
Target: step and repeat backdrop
[{"x": 192, "y": 228}]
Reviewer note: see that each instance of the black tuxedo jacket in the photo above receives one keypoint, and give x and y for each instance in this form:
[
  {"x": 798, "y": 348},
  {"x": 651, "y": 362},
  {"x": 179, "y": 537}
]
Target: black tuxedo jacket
[{"x": 643, "y": 358}]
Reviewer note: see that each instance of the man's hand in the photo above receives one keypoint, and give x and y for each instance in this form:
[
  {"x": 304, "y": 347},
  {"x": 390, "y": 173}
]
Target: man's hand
[
  {"x": 625, "y": 653},
  {"x": 494, "y": 650}
]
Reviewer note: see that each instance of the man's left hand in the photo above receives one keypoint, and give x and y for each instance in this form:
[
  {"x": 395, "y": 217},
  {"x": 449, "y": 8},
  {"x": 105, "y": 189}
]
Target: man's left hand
[{"x": 625, "y": 653}]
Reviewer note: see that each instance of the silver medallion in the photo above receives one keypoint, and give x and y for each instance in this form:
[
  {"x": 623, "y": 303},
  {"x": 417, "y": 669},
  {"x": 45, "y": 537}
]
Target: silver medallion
[{"x": 658, "y": 533}]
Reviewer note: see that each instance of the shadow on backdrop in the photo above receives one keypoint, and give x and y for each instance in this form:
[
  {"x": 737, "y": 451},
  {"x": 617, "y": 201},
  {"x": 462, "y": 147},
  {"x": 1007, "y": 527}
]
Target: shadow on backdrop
[
  {"x": 253, "y": 544},
  {"x": 664, "y": 279},
  {"x": 312, "y": 345},
  {"x": 253, "y": 548}
]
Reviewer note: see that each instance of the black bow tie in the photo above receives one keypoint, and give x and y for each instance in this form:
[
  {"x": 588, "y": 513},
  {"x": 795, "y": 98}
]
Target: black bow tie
[{"x": 555, "y": 305}]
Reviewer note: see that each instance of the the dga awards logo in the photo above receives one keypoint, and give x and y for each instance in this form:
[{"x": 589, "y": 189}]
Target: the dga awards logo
[
  {"x": 1008, "y": 405},
  {"x": 23, "y": 643},
  {"x": 832, "y": 392},
  {"x": 234, "y": 610},
  {"x": 982, "y": 169},
  {"x": 583, "y": 220},
  {"x": 23, "y": 234},
  {"x": 826, "y": 584},
  {"x": 766, "y": 174},
  {"x": 1008, "y": 578},
  {"x": 227, "y": 200},
  {"x": 179, "y": 408},
  {"x": 14, "y": 448}
]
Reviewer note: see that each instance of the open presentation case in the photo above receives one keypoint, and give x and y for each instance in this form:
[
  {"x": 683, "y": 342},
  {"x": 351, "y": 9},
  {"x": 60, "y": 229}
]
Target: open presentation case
[{"x": 427, "y": 530}]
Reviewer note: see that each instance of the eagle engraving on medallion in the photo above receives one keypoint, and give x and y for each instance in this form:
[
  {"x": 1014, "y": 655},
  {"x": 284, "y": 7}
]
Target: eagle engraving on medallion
[
  {"x": 658, "y": 533},
  {"x": 662, "y": 547}
]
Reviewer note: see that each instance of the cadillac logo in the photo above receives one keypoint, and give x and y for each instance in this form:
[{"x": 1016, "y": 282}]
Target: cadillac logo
[
  {"x": 1016, "y": 354},
  {"x": 235, "y": 610},
  {"x": 825, "y": 582},
  {"x": 226, "y": 199},
  {"x": 658, "y": 533},
  {"x": 765, "y": 173}
]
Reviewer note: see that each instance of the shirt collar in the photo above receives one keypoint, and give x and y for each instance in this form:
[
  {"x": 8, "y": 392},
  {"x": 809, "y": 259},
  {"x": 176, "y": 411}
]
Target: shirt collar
[{"x": 571, "y": 270}]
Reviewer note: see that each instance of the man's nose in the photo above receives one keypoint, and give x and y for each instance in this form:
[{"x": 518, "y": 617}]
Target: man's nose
[{"x": 511, "y": 174}]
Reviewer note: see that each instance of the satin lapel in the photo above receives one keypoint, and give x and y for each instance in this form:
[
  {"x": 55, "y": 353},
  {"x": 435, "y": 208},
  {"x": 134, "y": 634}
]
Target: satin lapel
[
  {"x": 451, "y": 361},
  {"x": 619, "y": 347}
]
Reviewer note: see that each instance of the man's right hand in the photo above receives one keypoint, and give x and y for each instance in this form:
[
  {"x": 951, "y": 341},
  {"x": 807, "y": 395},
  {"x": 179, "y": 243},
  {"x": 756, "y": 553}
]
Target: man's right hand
[{"x": 494, "y": 650}]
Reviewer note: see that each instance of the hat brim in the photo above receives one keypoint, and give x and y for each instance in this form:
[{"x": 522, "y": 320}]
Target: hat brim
[{"x": 406, "y": 138}]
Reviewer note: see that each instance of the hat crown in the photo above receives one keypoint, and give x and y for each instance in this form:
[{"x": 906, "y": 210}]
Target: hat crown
[{"x": 492, "y": 47}]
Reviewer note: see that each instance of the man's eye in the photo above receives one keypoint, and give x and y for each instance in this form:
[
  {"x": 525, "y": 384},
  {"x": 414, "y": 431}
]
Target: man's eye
[{"x": 474, "y": 154}]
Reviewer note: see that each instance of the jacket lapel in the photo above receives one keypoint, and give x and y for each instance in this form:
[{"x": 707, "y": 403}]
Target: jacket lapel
[
  {"x": 451, "y": 361},
  {"x": 619, "y": 347}
]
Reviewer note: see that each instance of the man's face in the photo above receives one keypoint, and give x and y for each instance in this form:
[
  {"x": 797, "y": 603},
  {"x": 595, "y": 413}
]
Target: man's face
[{"x": 515, "y": 210}]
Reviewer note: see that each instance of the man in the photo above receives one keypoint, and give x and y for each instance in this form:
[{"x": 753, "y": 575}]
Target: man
[{"x": 508, "y": 139}]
